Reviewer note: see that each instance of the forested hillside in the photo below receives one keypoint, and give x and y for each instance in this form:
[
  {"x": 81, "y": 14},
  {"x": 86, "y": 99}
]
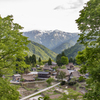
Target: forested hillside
[
  {"x": 40, "y": 51},
  {"x": 66, "y": 45},
  {"x": 73, "y": 51}
]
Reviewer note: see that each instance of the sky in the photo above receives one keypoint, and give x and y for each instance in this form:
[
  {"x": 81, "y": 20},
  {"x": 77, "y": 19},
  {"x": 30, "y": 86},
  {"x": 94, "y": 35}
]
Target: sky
[{"x": 44, "y": 14}]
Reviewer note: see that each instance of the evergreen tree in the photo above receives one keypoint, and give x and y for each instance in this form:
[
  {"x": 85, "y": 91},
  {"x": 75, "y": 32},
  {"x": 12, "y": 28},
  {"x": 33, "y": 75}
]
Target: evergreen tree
[
  {"x": 49, "y": 61},
  {"x": 39, "y": 59},
  {"x": 58, "y": 57},
  {"x": 27, "y": 60},
  {"x": 71, "y": 60},
  {"x": 63, "y": 54},
  {"x": 59, "y": 63},
  {"x": 33, "y": 59}
]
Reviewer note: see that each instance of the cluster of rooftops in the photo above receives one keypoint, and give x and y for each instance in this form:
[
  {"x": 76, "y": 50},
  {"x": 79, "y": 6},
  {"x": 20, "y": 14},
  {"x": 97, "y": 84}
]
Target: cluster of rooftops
[{"x": 48, "y": 71}]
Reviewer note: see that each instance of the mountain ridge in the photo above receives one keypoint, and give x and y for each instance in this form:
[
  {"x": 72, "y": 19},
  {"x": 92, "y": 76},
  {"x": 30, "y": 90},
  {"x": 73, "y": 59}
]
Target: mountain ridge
[{"x": 49, "y": 39}]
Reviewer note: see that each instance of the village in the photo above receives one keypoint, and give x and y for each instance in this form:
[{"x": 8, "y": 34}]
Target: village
[{"x": 36, "y": 80}]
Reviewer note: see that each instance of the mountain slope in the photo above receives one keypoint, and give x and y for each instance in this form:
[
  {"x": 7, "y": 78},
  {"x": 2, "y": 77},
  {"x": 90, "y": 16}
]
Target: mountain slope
[
  {"x": 66, "y": 45},
  {"x": 40, "y": 51},
  {"x": 73, "y": 51},
  {"x": 50, "y": 39}
]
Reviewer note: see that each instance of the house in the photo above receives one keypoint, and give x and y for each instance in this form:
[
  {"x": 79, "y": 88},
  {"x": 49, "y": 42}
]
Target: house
[
  {"x": 35, "y": 74},
  {"x": 53, "y": 64},
  {"x": 71, "y": 71},
  {"x": 77, "y": 68},
  {"x": 28, "y": 77},
  {"x": 47, "y": 68},
  {"x": 37, "y": 66},
  {"x": 70, "y": 66},
  {"x": 16, "y": 77},
  {"x": 54, "y": 75},
  {"x": 63, "y": 70},
  {"x": 43, "y": 75},
  {"x": 75, "y": 75},
  {"x": 34, "y": 69}
]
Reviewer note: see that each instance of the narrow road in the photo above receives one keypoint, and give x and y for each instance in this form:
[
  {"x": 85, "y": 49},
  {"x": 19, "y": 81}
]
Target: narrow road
[{"x": 39, "y": 91}]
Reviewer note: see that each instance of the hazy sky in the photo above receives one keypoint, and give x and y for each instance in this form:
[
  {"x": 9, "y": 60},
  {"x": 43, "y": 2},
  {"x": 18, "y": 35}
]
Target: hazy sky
[{"x": 43, "y": 14}]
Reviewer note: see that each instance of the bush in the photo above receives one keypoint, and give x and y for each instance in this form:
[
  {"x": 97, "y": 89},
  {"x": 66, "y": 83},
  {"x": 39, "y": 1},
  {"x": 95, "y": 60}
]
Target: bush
[
  {"x": 49, "y": 80},
  {"x": 22, "y": 80},
  {"x": 63, "y": 67},
  {"x": 81, "y": 79},
  {"x": 63, "y": 83},
  {"x": 71, "y": 83},
  {"x": 40, "y": 68}
]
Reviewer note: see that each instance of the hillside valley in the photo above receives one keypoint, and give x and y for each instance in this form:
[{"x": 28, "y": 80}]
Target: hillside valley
[
  {"x": 66, "y": 45},
  {"x": 73, "y": 51},
  {"x": 40, "y": 51}
]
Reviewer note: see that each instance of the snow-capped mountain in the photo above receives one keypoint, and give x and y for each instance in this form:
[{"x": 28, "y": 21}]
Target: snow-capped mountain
[{"x": 51, "y": 39}]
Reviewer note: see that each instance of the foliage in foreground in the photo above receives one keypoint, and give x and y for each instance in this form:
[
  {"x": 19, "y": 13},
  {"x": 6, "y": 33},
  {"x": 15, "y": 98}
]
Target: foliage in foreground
[
  {"x": 13, "y": 45},
  {"x": 89, "y": 58}
]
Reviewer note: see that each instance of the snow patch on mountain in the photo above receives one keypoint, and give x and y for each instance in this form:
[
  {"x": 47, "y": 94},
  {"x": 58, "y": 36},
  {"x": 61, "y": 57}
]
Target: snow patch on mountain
[{"x": 50, "y": 39}]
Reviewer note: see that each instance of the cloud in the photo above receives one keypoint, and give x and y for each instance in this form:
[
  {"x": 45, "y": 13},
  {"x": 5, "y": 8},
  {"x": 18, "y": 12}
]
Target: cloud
[
  {"x": 60, "y": 7},
  {"x": 77, "y": 4},
  {"x": 74, "y": 4}
]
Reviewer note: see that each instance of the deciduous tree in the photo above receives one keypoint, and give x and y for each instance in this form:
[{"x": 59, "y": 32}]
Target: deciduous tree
[
  {"x": 13, "y": 45},
  {"x": 49, "y": 80},
  {"x": 89, "y": 58},
  {"x": 64, "y": 60},
  {"x": 61, "y": 75}
]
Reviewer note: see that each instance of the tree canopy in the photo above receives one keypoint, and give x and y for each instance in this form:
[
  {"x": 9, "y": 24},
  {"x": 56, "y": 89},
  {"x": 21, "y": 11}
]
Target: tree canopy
[
  {"x": 58, "y": 58},
  {"x": 89, "y": 58},
  {"x": 64, "y": 60},
  {"x": 61, "y": 75},
  {"x": 49, "y": 80},
  {"x": 13, "y": 45}
]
